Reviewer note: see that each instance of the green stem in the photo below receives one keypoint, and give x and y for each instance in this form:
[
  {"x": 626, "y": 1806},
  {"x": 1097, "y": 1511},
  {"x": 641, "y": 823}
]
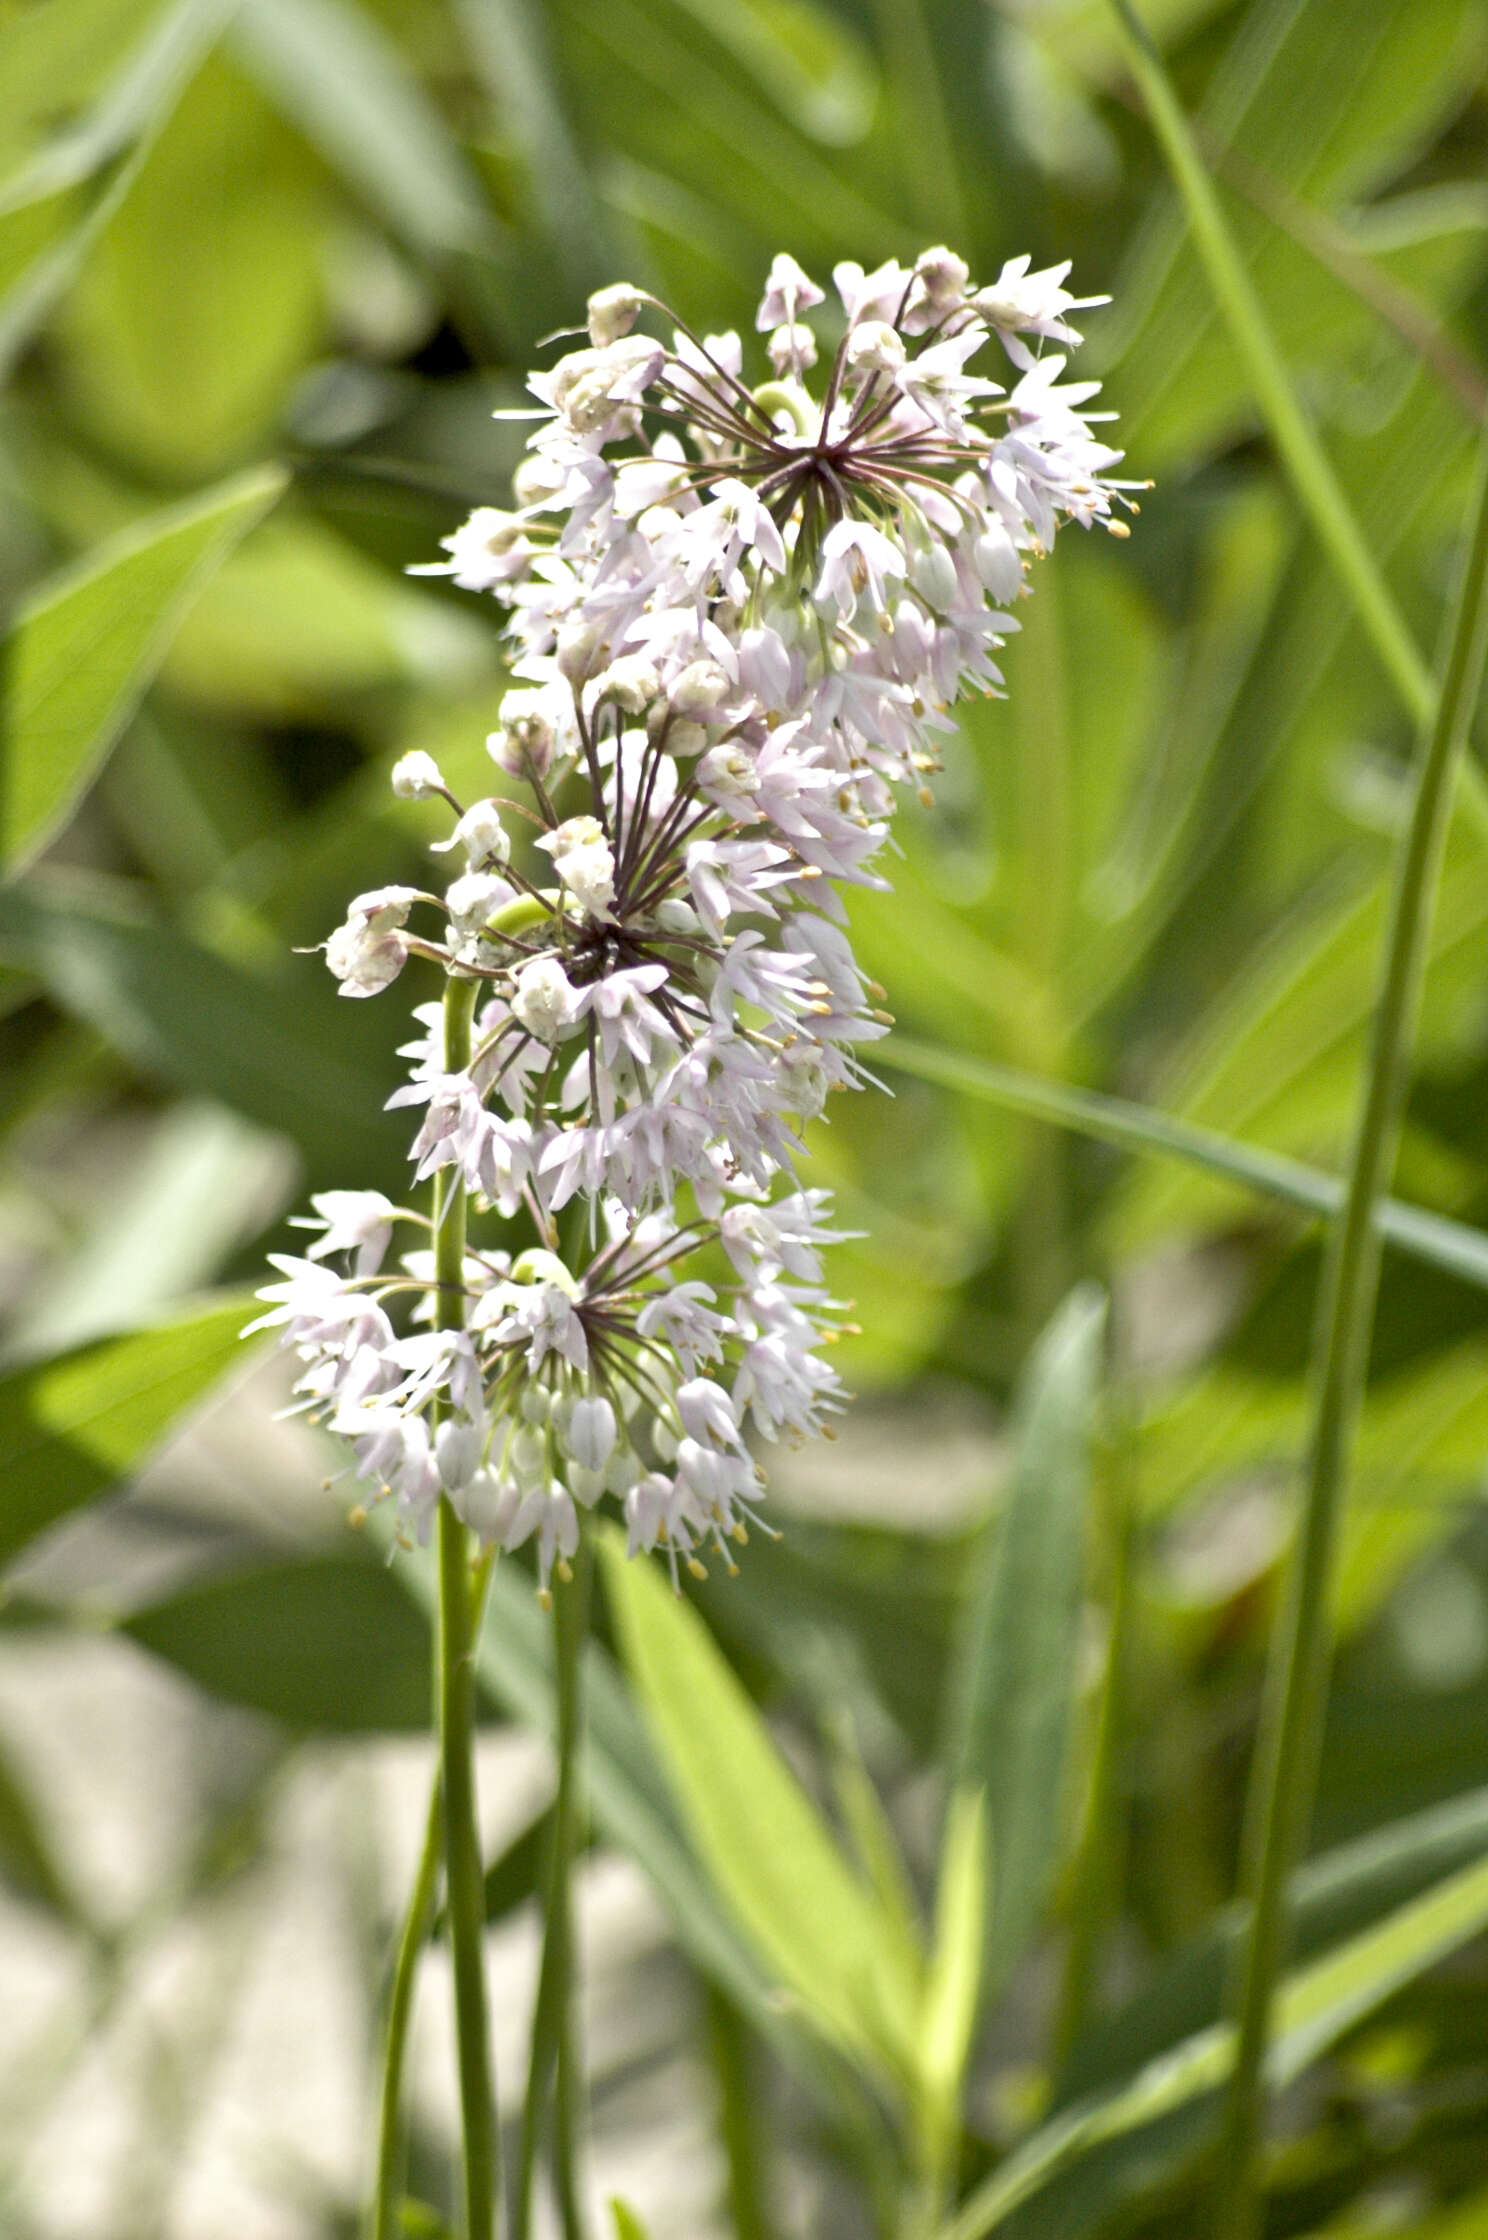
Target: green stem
[
  {"x": 1283, "y": 1780},
  {"x": 554, "y": 2066},
  {"x": 455, "y": 1699},
  {"x": 1311, "y": 472},
  {"x": 739, "y": 2116},
  {"x": 411, "y": 1942},
  {"x": 1100, "y": 1862}
]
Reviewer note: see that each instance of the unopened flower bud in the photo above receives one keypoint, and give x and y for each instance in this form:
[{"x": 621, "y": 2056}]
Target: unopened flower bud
[
  {"x": 417, "y": 777},
  {"x": 943, "y": 276},
  {"x": 631, "y": 682},
  {"x": 487, "y": 1503},
  {"x": 536, "y": 478},
  {"x": 523, "y": 746},
  {"x": 457, "y": 1451},
  {"x": 995, "y": 558},
  {"x": 476, "y": 898},
  {"x": 932, "y": 571},
  {"x": 873, "y": 346},
  {"x": 580, "y": 650},
  {"x": 699, "y": 690},
  {"x": 545, "y": 999},
  {"x": 590, "y": 1436},
  {"x": 481, "y": 833},
  {"x": 613, "y": 312},
  {"x": 584, "y": 861}
]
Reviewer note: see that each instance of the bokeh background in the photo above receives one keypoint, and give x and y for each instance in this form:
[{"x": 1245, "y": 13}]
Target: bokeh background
[{"x": 265, "y": 272}]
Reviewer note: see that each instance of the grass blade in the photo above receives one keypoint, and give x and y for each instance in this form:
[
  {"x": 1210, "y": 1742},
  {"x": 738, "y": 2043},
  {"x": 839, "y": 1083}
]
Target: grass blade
[
  {"x": 1282, "y": 1784},
  {"x": 1014, "y": 1694},
  {"x": 1318, "y": 2004},
  {"x": 1317, "y": 487},
  {"x": 1432, "y": 1237}
]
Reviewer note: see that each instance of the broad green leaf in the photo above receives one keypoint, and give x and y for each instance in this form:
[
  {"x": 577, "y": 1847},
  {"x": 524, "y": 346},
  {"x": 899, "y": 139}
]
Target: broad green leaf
[
  {"x": 82, "y": 47},
  {"x": 628, "y": 2225},
  {"x": 1318, "y": 2004},
  {"x": 72, "y": 1428},
  {"x": 330, "y": 68},
  {"x": 180, "y": 342},
  {"x": 1015, "y": 1689},
  {"x": 87, "y": 644},
  {"x": 47, "y": 225},
  {"x": 953, "y": 1976},
  {"x": 1321, "y": 99},
  {"x": 772, "y": 1858},
  {"x": 327, "y": 1642},
  {"x": 183, "y": 1015},
  {"x": 300, "y": 622},
  {"x": 510, "y": 43}
]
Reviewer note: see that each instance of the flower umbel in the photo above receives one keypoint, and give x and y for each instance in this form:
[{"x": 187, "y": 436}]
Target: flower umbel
[{"x": 739, "y": 617}]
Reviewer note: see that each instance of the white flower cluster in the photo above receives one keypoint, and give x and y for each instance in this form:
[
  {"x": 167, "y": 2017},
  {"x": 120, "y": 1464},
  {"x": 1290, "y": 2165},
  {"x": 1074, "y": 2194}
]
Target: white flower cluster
[
  {"x": 740, "y": 617},
  {"x": 629, "y": 1377}
]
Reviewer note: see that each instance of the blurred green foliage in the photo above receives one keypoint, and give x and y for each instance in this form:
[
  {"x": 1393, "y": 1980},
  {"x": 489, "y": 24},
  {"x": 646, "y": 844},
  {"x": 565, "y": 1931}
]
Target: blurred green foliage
[{"x": 265, "y": 271}]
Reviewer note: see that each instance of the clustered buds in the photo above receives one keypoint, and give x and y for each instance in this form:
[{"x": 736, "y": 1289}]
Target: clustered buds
[{"x": 740, "y": 618}]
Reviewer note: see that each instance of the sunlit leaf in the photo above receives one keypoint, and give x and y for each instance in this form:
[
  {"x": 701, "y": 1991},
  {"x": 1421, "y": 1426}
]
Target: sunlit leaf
[
  {"x": 182, "y": 343},
  {"x": 774, "y": 1861},
  {"x": 72, "y": 1428},
  {"x": 87, "y": 644},
  {"x": 299, "y": 622},
  {"x": 203, "y": 1183},
  {"x": 953, "y": 1974}
]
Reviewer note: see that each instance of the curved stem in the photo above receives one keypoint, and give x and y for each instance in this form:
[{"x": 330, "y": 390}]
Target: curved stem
[
  {"x": 1283, "y": 1780},
  {"x": 553, "y": 2063},
  {"x": 411, "y": 1941},
  {"x": 455, "y": 1700}
]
